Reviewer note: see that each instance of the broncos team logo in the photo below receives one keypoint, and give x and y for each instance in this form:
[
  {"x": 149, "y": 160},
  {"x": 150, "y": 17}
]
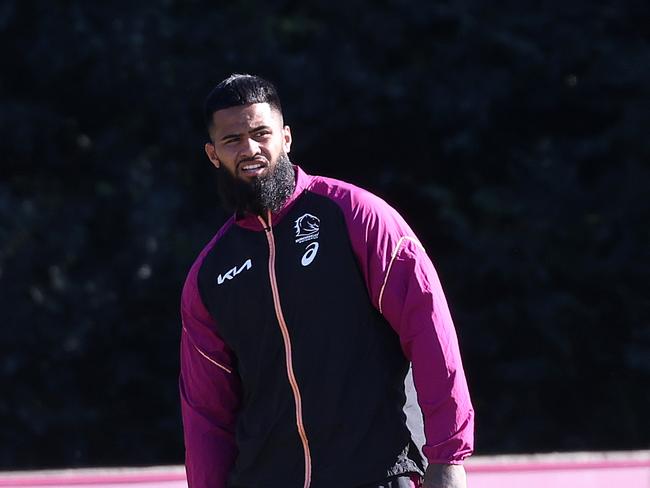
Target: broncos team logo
[{"x": 307, "y": 228}]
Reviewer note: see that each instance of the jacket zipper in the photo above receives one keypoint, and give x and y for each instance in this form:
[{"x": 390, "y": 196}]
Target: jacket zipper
[{"x": 268, "y": 230}]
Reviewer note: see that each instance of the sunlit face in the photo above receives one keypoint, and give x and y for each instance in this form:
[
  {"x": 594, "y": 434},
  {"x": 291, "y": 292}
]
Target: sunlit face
[{"x": 247, "y": 140}]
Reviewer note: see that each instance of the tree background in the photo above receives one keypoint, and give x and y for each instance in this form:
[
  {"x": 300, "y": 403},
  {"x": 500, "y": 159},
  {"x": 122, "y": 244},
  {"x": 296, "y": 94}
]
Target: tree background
[{"x": 513, "y": 136}]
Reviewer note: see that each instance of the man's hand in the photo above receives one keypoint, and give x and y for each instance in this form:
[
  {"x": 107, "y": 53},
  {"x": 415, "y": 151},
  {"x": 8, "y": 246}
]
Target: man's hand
[{"x": 445, "y": 476}]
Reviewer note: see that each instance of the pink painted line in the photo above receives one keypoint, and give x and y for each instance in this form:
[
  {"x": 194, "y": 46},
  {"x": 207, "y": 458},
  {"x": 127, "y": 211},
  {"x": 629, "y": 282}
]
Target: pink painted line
[
  {"x": 557, "y": 470},
  {"x": 601, "y": 478},
  {"x": 95, "y": 479},
  {"x": 556, "y": 466}
]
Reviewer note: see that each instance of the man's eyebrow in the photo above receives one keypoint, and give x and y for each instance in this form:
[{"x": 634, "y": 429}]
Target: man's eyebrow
[
  {"x": 261, "y": 127},
  {"x": 229, "y": 136},
  {"x": 254, "y": 129}
]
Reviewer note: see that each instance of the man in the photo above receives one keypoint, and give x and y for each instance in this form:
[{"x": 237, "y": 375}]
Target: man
[{"x": 300, "y": 318}]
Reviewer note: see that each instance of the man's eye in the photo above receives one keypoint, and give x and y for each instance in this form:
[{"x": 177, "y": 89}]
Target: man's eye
[
  {"x": 230, "y": 141},
  {"x": 262, "y": 133}
]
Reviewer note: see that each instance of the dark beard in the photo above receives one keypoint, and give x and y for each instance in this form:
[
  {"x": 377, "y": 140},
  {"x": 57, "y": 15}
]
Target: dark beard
[{"x": 268, "y": 192}]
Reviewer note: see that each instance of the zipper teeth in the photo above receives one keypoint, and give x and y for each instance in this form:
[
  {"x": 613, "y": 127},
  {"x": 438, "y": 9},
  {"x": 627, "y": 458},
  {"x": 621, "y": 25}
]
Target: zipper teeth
[{"x": 287, "y": 351}]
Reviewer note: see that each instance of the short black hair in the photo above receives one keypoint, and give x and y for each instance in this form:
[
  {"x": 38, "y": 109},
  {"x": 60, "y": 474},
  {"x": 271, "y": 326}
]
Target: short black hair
[{"x": 240, "y": 89}]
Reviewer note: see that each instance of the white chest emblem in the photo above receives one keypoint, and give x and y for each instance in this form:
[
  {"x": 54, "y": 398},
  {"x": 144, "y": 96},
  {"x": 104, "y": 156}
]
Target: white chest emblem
[
  {"x": 308, "y": 229},
  {"x": 231, "y": 273}
]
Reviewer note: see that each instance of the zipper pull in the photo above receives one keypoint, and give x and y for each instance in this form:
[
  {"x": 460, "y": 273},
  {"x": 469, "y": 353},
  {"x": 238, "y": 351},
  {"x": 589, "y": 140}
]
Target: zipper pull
[{"x": 265, "y": 226}]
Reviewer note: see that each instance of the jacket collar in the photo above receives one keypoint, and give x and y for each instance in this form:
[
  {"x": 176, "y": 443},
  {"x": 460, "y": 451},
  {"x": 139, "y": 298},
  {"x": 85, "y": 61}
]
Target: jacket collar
[{"x": 252, "y": 222}]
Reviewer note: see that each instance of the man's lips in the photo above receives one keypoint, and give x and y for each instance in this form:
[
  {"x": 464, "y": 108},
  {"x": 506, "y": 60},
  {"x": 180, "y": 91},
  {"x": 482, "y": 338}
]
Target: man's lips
[{"x": 252, "y": 167}]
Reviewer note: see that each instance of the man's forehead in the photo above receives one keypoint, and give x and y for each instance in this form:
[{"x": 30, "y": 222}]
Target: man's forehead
[{"x": 244, "y": 116}]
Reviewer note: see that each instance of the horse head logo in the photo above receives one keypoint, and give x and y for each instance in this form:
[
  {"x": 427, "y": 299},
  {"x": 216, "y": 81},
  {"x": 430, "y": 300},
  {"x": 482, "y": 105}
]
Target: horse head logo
[{"x": 307, "y": 227}]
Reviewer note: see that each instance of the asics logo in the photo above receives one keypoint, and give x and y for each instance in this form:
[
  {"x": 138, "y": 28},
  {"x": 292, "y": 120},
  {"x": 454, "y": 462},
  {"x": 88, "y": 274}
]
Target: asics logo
[
  {"x": 310, "y": 254},
  {"x": 307, "y": 228},
  {"x": 248, "y": 264}
]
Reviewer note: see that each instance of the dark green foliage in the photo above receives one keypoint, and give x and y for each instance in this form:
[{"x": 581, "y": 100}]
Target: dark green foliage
[{"x": 514, "y": 138}]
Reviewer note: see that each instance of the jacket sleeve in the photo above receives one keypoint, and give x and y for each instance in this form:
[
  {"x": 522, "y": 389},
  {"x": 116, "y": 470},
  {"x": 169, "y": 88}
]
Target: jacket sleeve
[
  {"x": 405, "y": 288},
  {"x": 210, "y": 394}
]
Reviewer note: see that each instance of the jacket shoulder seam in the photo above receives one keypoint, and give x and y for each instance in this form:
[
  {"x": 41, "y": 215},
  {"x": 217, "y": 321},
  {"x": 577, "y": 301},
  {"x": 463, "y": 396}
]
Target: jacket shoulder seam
[{"x": 390, "y": 265}]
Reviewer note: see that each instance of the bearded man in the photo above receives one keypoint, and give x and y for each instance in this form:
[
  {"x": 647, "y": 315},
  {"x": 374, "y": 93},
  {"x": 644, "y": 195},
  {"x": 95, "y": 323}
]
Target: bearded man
[{"x": 301, "y": 318}]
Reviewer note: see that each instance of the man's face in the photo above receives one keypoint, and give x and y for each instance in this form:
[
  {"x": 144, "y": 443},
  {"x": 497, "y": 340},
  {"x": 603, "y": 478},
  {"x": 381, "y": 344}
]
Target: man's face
[
  {"x": 249, "y": 147},
  {"x": 247, "y": 140}
]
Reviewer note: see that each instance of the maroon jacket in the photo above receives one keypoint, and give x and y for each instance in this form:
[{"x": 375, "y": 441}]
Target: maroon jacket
[{"x": 297, "y": 337}]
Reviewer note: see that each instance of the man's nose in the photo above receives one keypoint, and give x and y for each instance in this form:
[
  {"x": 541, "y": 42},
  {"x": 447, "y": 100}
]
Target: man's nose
[{"x": 250, "y": 147}]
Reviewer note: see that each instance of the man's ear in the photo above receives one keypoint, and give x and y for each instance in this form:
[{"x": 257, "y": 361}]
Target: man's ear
[
  {"x": 286, "y": 139},
  {"x": 212, "y": 154}
]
